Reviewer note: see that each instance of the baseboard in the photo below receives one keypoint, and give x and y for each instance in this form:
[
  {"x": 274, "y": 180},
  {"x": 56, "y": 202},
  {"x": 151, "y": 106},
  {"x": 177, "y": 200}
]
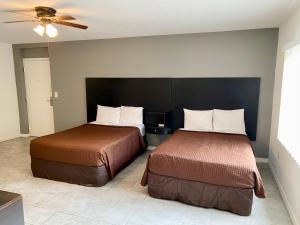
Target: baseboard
[
  {"x": 9, "y": 138},
  {"x": 262, "y": 160},
  {"x": 24, "y": 135},
  {"x": 284, "y": 197}
]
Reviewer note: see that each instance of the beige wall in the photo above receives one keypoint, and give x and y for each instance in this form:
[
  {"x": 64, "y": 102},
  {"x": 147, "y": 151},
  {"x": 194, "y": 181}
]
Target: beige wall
[
  {"x": 9, "y": 113},
  {"x": 250, "y": 53},
  {"x": 284, "y": 167}
]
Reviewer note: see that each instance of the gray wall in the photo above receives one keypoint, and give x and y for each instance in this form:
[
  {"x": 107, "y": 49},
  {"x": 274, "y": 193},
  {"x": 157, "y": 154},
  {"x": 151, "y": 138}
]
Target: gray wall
[
  {"x": 248, "y": 53},
  {"x": 20, "y": 52}
]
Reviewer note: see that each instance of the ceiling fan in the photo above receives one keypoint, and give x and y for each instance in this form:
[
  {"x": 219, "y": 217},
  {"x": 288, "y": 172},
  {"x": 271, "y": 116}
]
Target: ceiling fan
[{"x": 46, "y": 16}]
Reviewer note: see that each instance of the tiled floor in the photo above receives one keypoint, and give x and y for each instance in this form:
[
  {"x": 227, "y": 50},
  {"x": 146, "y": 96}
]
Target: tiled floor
[{"x": 121, "y": 202}]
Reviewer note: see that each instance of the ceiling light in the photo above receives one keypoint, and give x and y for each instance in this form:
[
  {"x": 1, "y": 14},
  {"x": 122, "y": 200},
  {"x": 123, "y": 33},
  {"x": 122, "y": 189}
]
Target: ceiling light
[
  {"x": 39, "y": 30},
  {"x": 51, "y": 31}
]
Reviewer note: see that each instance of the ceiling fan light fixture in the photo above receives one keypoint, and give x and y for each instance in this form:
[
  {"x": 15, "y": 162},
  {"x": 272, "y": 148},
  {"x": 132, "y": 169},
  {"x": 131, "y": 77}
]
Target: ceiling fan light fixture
[
  {"x": 46, "y": 16},
  {"x": 40, "y": 30},
  {"x": 51, "y": 31}
]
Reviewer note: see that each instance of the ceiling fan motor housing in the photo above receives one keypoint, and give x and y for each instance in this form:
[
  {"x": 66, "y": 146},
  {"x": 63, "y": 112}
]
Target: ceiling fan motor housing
[{"x": 43, "y": 11}]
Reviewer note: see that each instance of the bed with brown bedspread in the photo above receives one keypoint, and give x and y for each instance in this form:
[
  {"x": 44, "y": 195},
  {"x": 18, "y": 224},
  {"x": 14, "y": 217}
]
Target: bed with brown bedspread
[
  {"x": 89, "y": 155},
  {"x": 213, "y": 170}
]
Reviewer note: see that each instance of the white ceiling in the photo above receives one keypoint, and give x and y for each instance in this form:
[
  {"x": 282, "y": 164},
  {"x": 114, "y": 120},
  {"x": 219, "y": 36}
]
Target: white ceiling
[{"x": 131, "y": 18}]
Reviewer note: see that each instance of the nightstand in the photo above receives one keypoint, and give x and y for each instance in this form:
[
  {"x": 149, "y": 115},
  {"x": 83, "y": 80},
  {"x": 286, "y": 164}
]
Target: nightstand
[
  {"x": 158, "y": 130},
  {"x": 158, "y": 127}
]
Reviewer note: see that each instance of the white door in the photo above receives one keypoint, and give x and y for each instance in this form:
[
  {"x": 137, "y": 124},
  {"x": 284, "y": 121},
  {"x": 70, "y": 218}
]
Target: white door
[{"x": 39, "y": 96}]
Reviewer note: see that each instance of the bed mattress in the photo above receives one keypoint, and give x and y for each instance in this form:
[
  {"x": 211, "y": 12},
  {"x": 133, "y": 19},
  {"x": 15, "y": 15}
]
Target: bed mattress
[
  {"x": 87, "y": 146},
  {"x": 212, "y": 158}
]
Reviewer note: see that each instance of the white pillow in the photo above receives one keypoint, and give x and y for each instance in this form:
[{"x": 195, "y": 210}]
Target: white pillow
[
  {"x": 131, "y": 115},
  {"x": 107, "y": 114},
  {"x": 229, "y": 121},
  {"x": 198, "y": 120}
]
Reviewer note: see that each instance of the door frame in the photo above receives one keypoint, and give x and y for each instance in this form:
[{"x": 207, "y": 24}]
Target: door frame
[{"x": 25, "y": 85}]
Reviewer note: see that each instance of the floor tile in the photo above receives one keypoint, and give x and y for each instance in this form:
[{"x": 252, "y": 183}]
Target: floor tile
[
  {"x": 66, "y": 219},
  {"x": 123, "y": 201},
  {"x": 35, "y": 215}
]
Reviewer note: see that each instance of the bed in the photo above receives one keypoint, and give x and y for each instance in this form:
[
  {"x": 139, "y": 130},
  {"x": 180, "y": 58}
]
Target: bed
[
  {"x": 90, "y": 155},
  {"x": 207, "y": 169}
]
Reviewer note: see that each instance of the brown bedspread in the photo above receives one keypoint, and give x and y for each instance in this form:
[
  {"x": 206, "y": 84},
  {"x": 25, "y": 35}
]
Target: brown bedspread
[
  {"x": 213, "y": 158},
  {"x": 90, "y": 145}
]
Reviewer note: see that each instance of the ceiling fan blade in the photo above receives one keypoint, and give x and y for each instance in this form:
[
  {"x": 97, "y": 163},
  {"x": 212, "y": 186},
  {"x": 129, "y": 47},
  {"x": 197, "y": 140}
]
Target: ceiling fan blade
[
  {"x": 22, "y": 12},
  {"x": 18, "y": 21},
  {"x": 76, "y": 25},
  {"x": 65, "y": 17}
]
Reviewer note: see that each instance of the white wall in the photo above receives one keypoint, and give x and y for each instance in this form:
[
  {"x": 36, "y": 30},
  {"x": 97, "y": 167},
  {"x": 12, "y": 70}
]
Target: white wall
[
  {"x": 284, "y": 167},
  {"x": 9, "y": 112}
]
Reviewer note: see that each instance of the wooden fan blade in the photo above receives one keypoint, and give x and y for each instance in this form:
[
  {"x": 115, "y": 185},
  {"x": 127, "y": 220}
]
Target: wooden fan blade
[
  {"x": 76, "y": 25},
  {"x": 65, "y": 17},
  {"x": 22, "y": 12},
  {"x": 18, "y": 21}
]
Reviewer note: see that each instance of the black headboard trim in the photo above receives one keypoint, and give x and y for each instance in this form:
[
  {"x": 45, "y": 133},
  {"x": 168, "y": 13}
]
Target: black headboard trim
[{"x": 174, "y": 94}]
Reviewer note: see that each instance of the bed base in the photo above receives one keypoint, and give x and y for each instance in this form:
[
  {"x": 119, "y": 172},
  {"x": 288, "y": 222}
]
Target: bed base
[
  {"x": 236, "y": 200},
  {"x": 92, "y": 176}
]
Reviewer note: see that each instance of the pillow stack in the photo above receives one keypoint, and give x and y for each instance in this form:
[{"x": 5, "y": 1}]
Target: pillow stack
[
  {"x": 109, "y": 115},
  {"x": 131, "y": 115},
  {"x": 119, "y": 115},
  {"x": 229, "y": 121},
  {"x": 198, "y": 120},
  {"x": 223, "y": 121}
]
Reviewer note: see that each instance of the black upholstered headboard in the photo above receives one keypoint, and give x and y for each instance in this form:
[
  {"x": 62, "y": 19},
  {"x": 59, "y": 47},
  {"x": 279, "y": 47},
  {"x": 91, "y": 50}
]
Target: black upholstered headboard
[{"x": 174, "y": 94}]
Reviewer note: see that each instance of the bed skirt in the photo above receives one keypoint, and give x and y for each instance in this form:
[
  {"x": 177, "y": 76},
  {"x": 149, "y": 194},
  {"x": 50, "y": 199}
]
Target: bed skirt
[
  {"x": 93, "y": 176},
  {"x": 236, "y": 200}
]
